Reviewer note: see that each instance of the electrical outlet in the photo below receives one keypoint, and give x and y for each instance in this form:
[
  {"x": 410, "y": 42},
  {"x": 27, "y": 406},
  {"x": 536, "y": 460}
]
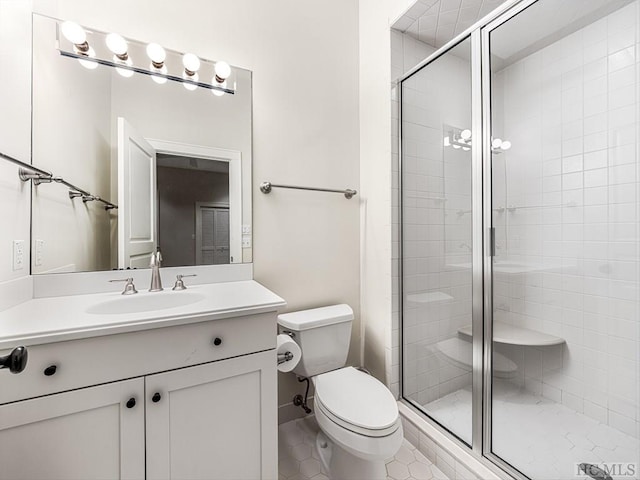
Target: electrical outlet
[
  {"x": 39, "y": 252},
  {"x": 246, "y": 241},
  {"x": 18, "y": 254}
]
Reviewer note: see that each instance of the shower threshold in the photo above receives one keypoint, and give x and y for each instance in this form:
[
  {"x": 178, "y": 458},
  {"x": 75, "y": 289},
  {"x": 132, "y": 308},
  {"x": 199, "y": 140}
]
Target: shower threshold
[{"x": 543, "y": 439}]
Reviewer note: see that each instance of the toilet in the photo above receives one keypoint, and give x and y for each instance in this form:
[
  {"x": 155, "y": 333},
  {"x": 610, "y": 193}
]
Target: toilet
[{"x": 358, "y": 416}]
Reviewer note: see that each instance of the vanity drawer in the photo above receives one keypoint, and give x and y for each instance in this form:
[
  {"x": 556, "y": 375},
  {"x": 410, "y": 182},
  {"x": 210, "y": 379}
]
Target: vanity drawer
[{"x": 61, "y": 366}]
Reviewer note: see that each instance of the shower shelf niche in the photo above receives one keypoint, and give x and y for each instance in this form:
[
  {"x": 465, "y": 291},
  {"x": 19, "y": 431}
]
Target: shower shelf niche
[{"x": 512, "y": 335}]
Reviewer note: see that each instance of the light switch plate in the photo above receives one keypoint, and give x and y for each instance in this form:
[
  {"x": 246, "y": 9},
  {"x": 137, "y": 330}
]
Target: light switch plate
[
  {"x": 18, "y": 254},
  {"x": 39, "y": 252},
  {"x": 246, "y": 229}
]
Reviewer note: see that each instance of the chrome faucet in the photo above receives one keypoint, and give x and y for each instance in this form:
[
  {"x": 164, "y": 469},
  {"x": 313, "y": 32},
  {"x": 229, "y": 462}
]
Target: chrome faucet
[{"x": 155, "y": 263}]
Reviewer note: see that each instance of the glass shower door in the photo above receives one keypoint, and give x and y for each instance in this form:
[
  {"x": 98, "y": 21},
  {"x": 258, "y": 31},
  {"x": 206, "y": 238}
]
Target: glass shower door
[
  {"x": 437, "y": 240},
  {"x": 565, "y": 284}
]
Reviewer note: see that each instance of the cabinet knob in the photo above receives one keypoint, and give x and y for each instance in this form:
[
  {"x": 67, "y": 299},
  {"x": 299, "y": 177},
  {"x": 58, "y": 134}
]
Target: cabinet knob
[
  {"x": 217, "y": 341},
  {"x": 156, "y": 397},
  {"x": 131, "y": 402},
  {"x": 50, "y": 370},
  {"x": 16, "y": 361}
]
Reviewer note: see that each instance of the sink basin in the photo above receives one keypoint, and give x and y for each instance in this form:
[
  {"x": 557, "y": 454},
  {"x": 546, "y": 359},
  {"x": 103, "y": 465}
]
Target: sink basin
[{"x": 145, "y": 303}]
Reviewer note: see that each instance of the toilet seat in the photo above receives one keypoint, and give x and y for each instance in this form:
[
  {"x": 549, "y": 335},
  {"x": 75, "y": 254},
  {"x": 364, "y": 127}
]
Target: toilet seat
[{"x": 357, "y": 402}]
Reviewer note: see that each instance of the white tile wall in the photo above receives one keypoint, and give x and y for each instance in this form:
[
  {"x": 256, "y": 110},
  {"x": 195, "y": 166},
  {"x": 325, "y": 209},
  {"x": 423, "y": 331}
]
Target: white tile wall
[
  {"x": 436, "y": 188},
  {"x": 406, "y": 52},
  {"x": 571, "y": 112}
]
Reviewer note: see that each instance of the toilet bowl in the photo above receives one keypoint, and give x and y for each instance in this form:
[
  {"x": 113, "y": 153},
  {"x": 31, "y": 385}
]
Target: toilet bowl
[{"x": 358, "y": 416}]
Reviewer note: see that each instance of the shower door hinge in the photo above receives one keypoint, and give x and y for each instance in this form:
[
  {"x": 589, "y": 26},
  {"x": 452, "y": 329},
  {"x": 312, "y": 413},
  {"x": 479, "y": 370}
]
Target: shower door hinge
[{"x": 492, "y": 241}]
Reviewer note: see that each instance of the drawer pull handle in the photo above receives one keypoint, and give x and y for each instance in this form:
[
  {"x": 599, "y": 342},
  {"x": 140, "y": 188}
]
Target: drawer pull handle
[
  {"x": 217, "y": 341},
  {"x": 50, "y": 370},
  {"x": 131, "y": 402},
  {"x": 156, "y": 397},
  {"x": 16, "y": 361}
]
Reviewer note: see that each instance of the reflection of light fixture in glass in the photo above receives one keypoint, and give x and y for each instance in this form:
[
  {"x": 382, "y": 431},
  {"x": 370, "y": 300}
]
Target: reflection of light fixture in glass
[
  {"x": 219, "y": 93},
  {"x": 223, "y": 70},
  {"x": 117, "y": 45},
  {"x": 76, "y": 35},
  {"x": 157, "y": 78},
  {"x": 88, "y": 64},
  {"x": 125, "y": 72},
  {"x": 157, "y": 55},
  {"x": 190, "y": 78},
  {"x": 462, "y": 139}
]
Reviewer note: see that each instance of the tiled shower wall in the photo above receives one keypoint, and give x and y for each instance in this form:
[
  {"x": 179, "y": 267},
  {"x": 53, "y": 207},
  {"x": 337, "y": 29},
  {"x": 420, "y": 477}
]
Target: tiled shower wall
[
  {"x": 566, "y": 202},
  {"x": 436, "y": 188},
  {"x": 406, "y": 52}
]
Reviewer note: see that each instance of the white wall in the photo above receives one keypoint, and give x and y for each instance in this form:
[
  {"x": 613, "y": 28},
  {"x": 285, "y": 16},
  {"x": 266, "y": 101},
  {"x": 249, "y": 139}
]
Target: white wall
[
  {"x": 15, "y": 132},
  {"x": 305, "y": 129},
  {"x": 375, "y": 182}
]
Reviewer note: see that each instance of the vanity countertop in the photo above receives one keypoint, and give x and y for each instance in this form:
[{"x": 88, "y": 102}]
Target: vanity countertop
[{"x": 56, "y": 319}]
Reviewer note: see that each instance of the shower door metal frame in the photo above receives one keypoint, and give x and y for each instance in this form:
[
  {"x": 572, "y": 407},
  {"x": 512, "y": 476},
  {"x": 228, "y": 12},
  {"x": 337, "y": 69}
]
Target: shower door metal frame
[
  {"x": 482, "y": 236},
  {"x": 489, "y": 235}
]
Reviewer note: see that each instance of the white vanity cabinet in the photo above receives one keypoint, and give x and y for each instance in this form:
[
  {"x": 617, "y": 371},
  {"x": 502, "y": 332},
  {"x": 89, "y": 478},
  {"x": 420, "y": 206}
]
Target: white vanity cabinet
[
  {"x": 213, "y": 421},
  {"x": 94, "y": 432},
  {"x": 193, "y": 401}
]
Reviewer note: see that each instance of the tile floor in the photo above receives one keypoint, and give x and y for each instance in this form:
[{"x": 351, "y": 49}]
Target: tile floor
[
  {"x": 298, "y": 460},
  {"x": 542, "y": 438}
]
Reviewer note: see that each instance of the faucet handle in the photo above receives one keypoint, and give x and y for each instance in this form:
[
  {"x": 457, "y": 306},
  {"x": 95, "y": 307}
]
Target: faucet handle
[
  {"x": 129, "y": 288},
  {"x": 179, "y": 283}
]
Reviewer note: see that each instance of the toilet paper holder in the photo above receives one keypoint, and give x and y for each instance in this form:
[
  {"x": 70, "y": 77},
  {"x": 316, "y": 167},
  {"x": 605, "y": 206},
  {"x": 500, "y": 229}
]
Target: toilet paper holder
[{"x": 284, "y": 357}]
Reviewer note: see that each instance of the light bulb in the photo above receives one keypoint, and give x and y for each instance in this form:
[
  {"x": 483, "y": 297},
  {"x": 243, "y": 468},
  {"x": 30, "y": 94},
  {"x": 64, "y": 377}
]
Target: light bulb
[
  {"x": 188, "y": 85},
  {"x": 466, "y": 134},
  {"x": 191, "y": 63},
  {"x": 74, "y": 33},
  {"x": 447, "y": 142},
  {"x": 157, "y": 54},
  {"x": 156, "y": 78},
  {"x": 219, "y": 93},
  {"x": 223, "y": 70},
  {"x": 87, "y": 63},
  {"x": 117, "y": 45},
  {"x": 125, "y": 72},
  {"x": 496, "y": 143},
  {"x": 506, "y": 145}
]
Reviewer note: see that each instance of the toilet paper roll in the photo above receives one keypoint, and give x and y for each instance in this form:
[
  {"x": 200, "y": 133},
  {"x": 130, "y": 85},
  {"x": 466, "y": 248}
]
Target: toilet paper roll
[{"x": 285, "y": 346}]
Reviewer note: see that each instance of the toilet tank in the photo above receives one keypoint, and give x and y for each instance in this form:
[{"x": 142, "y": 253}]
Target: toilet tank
[{"x": 323, "y": 335}]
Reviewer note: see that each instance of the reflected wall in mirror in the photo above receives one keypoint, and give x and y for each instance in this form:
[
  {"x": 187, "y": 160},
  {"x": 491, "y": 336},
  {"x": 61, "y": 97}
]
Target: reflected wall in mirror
[{"x": 177, "y": 162}]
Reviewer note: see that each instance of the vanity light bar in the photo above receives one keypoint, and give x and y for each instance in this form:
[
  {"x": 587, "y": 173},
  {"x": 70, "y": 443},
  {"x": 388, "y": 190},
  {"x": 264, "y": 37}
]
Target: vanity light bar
[{"x": 93, "y": 47}]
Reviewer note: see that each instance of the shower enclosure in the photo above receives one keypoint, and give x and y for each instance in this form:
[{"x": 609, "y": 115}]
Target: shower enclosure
[{"x": 520, "y": 238}]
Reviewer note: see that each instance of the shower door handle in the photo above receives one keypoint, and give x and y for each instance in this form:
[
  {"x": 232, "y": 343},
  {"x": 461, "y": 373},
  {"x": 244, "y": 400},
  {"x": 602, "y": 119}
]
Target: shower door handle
[{"x": 492, "y": 241}]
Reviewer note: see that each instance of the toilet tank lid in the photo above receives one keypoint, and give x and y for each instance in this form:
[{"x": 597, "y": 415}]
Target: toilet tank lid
[{"x": 316, "y": 317}]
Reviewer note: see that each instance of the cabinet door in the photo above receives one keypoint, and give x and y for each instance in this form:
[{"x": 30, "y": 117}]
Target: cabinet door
[
  {"x": 89, "y": 433},
  {"x": 214, "y": 421}
]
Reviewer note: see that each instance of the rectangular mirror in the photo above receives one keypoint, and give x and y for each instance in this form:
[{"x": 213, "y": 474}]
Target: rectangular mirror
[{"x": 175, "y": 161}]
